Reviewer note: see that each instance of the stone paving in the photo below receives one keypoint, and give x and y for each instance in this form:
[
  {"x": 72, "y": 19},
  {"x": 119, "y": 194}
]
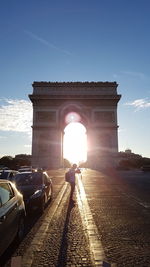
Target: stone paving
[
  {"x": 123, "y": 224},
  {"x": 118, "y": 211},
  {"x": 66, "y": 244}
]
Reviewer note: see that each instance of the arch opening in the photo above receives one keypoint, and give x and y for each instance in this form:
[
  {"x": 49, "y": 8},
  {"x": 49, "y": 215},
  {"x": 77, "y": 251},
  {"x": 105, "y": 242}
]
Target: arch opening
[{"x": 75, "y": 143}]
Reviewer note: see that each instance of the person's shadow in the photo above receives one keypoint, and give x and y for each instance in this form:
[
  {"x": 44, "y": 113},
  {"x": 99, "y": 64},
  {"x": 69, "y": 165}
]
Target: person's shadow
[{"x": 62, "y": 257}]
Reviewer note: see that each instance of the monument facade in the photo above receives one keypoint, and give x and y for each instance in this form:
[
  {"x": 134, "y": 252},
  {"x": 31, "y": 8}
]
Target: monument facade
[{"x": 95, "y": 105}]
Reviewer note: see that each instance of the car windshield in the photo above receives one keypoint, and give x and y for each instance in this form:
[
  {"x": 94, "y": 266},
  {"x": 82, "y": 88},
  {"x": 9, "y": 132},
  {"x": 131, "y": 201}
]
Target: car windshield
[
  {"x": 3, "y": 175},
  {"x": 34, "y": 178}
]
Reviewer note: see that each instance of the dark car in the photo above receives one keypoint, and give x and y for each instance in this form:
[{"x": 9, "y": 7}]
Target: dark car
[
  {"x": 36, "y": 188},
  {"x": 25, "y": 169},
  {"x": 12, "y": 214},
  {"x": 8, "y": 174}
]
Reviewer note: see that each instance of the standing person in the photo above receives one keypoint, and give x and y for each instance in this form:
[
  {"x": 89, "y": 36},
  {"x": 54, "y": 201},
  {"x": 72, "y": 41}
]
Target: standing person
[{"x": 72, "y": 173}]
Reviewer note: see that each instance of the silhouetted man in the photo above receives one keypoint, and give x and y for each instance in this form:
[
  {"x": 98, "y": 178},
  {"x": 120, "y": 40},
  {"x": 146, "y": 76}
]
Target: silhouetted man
[{"x": 73, "y": 170}]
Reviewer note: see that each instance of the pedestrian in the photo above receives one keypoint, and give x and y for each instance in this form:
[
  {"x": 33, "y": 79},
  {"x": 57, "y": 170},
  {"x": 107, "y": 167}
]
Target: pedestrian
[{"x": 72, "y": 172}]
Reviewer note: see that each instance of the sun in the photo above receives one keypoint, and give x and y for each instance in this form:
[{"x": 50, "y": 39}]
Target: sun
[{"x": 75, "y": 143}]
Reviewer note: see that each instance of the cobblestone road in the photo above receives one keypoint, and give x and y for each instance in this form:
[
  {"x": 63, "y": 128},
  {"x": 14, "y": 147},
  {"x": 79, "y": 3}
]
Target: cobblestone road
[
  {"x": 110, "y": 221},
  {"x": 122, "y": 214}
]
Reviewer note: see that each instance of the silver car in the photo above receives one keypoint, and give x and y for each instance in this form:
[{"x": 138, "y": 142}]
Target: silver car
[{"x": 12, "y": 214}]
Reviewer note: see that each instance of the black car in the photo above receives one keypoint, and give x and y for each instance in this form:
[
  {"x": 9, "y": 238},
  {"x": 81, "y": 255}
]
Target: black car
[
  {"x": 36, "y": 188},
  {"x": 12, "y": 214},
  {"x": 8, "y": 174}
]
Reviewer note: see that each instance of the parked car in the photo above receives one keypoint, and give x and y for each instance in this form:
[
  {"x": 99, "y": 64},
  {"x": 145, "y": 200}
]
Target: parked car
[
  {"x": 36, "y": 188},
  {"x": 2, "y": 167},
  {"x": 25, "y": 169},
  {"x": 8, "y": 174},
  {"x": 12, "y": 214}
]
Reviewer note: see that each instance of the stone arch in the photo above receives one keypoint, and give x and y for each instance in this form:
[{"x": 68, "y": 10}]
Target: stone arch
[
  {"x": 75, "y": 107},
  {"x": 96, "y": 104}
]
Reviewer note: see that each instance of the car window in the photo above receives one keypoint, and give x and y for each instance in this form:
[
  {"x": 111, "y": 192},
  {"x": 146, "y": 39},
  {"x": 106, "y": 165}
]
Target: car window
[
  {"x": 11, "y": 174},
  {"x": 24, "y": 179},
  {"x": 6, "y": 193},
  {"x": 3, "y": 175}
]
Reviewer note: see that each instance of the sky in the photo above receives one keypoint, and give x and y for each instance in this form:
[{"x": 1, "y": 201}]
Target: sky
[{"x": 67, "y": 40}]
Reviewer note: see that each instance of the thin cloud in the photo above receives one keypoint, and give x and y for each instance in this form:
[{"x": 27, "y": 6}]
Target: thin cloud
[
  {"x": 134, "y": 74},
  {"x": 16, "y": 116},
  {"x": 115, "y": 76},
  {"x": 139, "y": 103},
  {"x": 46, "y": 43}
]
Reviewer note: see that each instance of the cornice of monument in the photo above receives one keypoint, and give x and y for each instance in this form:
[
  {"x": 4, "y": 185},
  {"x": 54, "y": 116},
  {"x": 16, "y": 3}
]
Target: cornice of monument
[
  {"x": 74, "y": 84},
  {"x": 74, "y": 89},
  {"x": 88, "y": 96},
  {"x": 102, "y": 98}
]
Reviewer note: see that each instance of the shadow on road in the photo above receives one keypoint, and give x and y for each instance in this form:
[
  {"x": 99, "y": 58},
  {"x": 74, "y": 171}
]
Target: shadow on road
[{"x": 62, "y": 257}]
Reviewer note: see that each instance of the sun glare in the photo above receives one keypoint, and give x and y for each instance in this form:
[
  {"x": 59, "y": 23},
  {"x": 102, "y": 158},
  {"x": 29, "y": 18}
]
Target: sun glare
[{"x": 75, "y": 143}]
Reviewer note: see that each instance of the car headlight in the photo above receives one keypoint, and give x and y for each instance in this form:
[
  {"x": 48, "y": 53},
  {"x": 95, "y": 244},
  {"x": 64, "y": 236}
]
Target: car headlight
[{"x": 36, "y": 194}]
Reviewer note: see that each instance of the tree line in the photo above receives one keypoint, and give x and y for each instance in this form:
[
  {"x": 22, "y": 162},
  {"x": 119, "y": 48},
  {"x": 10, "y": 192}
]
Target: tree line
[
  {"x": 25, "y": 160},
  {"x": 16, "y": 162}
]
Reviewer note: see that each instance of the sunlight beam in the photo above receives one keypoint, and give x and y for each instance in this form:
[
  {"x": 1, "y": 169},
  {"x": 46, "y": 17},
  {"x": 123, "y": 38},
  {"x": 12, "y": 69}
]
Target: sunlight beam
[{"x": 75, "y": 143}]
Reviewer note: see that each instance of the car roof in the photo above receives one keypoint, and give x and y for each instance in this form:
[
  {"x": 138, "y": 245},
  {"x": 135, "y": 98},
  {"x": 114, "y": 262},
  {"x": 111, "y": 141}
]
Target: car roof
[
  {"x": 28, "y": 172},
  {"x": 25, "y": 172},
  {"x": 25, "y": 168},
  {"x": 8, "y": 171}
]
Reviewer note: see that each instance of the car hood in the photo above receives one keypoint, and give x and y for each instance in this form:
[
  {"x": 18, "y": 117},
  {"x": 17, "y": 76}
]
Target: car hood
[{"x": 28, "y": 190}]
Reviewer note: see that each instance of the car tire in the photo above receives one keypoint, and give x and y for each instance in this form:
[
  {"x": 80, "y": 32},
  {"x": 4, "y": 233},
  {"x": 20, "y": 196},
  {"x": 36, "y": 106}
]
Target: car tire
[
  {"x": 21, "y": 229},
  {"x": 42, "y": 205},
  {"x": 51, "y": 197}
]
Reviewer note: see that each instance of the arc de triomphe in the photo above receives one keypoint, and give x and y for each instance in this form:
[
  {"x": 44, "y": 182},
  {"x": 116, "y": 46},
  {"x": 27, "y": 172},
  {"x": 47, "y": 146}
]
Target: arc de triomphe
[{"x": 96, "y": 105}]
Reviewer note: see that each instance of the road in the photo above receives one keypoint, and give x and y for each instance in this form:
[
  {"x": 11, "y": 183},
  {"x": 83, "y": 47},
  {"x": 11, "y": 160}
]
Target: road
[{"x": 109, "y": 222}]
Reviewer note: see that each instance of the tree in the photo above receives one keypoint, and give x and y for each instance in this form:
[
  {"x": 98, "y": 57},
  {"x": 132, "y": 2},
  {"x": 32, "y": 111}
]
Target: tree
[
  {"x": 7, "y": 161},
  {"x": 16, "y": 162}
]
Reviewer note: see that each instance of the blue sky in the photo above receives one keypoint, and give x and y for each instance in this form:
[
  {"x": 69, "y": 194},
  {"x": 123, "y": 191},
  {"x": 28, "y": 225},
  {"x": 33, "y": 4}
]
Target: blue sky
[{"x": 67, "y": 40}]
